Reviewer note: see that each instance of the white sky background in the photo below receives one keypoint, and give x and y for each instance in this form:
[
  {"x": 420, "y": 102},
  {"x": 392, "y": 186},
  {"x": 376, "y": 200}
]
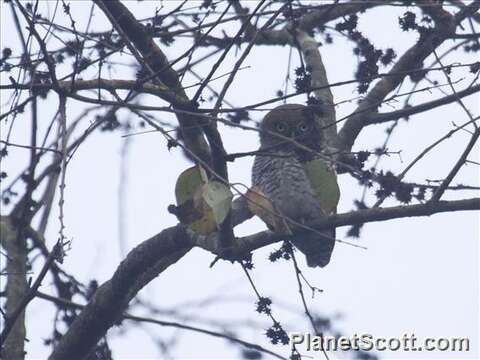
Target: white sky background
[{"x": 418, "y": 275}]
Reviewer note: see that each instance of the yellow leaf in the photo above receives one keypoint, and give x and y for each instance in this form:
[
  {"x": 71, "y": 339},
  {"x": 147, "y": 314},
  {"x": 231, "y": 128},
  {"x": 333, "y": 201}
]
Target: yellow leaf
[{"x": 261, "y": 206}]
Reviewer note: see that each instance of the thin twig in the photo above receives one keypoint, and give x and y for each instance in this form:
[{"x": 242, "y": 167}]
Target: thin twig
[
  {"x": 298, "y": 273},
  {"x": 54, "y": 255},
  {"x": 71, "y": 304},
  {"x": 461, "y": 161}
]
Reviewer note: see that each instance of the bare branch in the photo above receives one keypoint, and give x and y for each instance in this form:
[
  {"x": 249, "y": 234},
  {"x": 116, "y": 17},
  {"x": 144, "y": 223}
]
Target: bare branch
[
  {"x": 141, "y": 266},
  {"x": 20, "y": 304},
  {"x": 153, "y": 256},
  {"x": 110, "y": 85},
  {"x": 461, "y": 161},
  {"x": 410, "y": 60},
  {"x": 379, "y": 118},
  {"x": 38, "y": 71},
  {"x": 43, "y": 46},
  {"x": 16, "y": 288},
  {"x": 65, "y": 302},
  {"x": 319, "y": 81},
  {"x": 154, "y": 58},
  {"x": 325, "y": 13}
]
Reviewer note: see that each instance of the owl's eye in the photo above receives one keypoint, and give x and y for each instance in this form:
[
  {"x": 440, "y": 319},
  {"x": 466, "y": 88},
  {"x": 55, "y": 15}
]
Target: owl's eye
[
  {"x": 303, "y": 127},
  {"x": 280, "y": 127}
]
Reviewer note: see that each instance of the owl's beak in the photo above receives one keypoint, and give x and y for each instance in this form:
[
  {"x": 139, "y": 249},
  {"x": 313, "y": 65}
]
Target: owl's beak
[{"x": 296, "y": 134}]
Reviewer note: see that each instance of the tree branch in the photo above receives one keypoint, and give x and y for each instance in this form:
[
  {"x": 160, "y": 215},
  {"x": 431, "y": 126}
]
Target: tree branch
[
  {"x": 158, "y": 63},
  {"x": 16, "y": 288},
  {"x": 319, "y": 80},
  {"x": 153, "y": 256},
  {"x": 141, "y": 266},
  {"x": 110, "y": 85},
  {"x": 410, "y": 60},
  {"x": 380, "y": 118},
  {"x": 325, "y": 13},
  {"x": 17, "y": 313},
  {"x": 461, "y": 161},
  {"x": 73, "y": 305}
]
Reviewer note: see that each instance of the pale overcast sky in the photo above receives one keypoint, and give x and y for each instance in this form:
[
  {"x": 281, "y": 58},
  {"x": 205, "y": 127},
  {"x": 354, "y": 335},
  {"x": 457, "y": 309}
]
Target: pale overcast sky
[{"x": 418, "y": 275}]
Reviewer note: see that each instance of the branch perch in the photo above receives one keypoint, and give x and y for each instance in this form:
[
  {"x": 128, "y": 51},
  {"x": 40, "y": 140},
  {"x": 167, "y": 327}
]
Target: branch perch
[{"x": 153, "y": 256}]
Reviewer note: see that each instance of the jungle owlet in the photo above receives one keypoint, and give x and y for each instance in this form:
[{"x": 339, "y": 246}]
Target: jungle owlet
[{"x": 280, "y": 175}]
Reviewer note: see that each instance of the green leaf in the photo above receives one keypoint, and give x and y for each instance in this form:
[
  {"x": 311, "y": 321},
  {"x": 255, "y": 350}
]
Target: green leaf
[
  {"x": 219, "y": 198},
  {"x": 187, "y": 183},
  {"x": 201, "y": 204},
  {"x": 324, "y": 181}
]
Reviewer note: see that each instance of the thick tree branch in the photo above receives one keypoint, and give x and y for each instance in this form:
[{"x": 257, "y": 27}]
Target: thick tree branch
[
  {"x": 319, "y": 81},
  {"x": 315, "y": 17},
  {"x": 410, "y": 60},
  {"x": 141, "y": 266},
  {"x": 149, "y": 259},
  {"x": 253, "y": 242},
  {"x": 17, "y": 287},
  {"x": 153, "y": 256},
  {"x": 158, "y": 63},
  {"x": 18, "y": 312},
  {"x": 325, "y": 13},
  {"x": 461, "y": 4}
]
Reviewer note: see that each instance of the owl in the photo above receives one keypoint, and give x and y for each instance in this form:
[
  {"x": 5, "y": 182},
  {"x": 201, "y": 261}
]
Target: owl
[{"x": 279, "y": 174}]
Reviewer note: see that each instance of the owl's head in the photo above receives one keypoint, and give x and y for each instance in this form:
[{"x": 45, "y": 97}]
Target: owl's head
[{"x": 290, "y": 122}]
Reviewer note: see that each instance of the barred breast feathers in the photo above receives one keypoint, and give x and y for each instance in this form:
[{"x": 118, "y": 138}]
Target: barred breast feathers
[{"x": 283, "y": 180}]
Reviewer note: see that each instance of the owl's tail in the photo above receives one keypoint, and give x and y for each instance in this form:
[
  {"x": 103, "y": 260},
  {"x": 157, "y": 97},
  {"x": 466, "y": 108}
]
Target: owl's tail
[{"x": 317, "y": 248}]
